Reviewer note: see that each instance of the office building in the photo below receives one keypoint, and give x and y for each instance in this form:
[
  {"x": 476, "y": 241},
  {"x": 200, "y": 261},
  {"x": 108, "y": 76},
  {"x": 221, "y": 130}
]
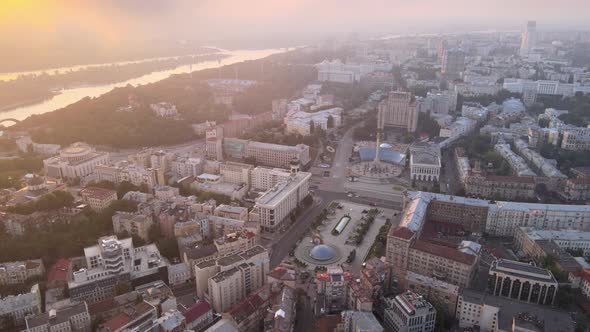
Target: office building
[
  {"x": 73, "y": 318},
  {"x": 522, "y": 282},
  {"x": 75, "y": 161},
  {"x": 14, "y": 273},
  {"x": 274, "y": 206},
  {"x": 453, "y": 64},
  {"x": 399, "y": 111},
  {"x": 231, "y": 212},
  {"x": 409, "y": 312},
  {"x": 529, "y": 39},
  {"x": 492, "y": 313},
  {"x": 575, "y": 138},
  {"x": 98, "y": 198},
  {"x": 275, "y": 155},
  {"x": 111, "y": 262}
]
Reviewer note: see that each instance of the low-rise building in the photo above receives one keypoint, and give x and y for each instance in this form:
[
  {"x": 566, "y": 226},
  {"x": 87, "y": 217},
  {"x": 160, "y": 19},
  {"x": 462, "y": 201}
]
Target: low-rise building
[
  {"x": 18, "y": 307},
  {"x": 359, "y": 321},
  {"x": 73, "y": 318},
  {"x": 408, "y": 312},
  {"x": 198, "y": 316},
  {"x": 178, "y": 274},
  {"x": 136, "y": 317},
  {"x": 98, "y": 198},
  {"x": 576, "y": 189},
  {"x": 164, "y": 109},
  {"x": 231, "y": 212},
  {"x": 522, "y": 281},
  {"x": 14, "y": 273}
]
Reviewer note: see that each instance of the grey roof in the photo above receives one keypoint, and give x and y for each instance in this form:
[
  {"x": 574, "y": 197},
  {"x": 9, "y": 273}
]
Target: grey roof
[
  {"x": 63, "y": 315},
  {"x": 554, "y": 320}
]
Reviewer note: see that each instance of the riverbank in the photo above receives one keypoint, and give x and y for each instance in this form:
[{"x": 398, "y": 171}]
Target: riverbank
[{"x": 29, "y": 90}]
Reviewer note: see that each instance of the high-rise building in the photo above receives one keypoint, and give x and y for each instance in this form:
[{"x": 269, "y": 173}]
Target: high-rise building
[
  {"x": 409, "y": 312},
  {"x": 399, "y": 111},
  {"x": 453, "y": 63},
  {"x": 529, "y": 38}
]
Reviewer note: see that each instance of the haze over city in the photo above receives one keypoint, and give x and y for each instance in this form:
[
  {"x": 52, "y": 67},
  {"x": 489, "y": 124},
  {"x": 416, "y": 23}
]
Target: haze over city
[{"x": 294, "y": 166}]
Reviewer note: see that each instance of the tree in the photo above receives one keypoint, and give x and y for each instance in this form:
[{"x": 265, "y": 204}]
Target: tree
[
  {"x": 330, "y": 122},
  {"x": 122, "y": 288}
]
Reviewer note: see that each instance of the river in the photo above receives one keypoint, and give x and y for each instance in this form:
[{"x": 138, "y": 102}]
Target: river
[{"x": 69, "y": 96}]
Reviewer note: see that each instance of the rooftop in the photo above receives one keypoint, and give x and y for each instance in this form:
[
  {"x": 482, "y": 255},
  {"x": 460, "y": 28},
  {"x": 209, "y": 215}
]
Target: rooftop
[
  {"x": 61, "y": 316},
  {"x": 97, "y": 193},
  {"x": 276, "y": 194},
  {"x": 553, "y": 320},
  {"x": 444, "y": 251},
  {"x": 523, "y": 270}
]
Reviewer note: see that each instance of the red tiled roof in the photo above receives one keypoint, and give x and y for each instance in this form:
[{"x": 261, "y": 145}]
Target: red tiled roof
[
  {"x": 443, "y": 251},
  {"x": 503, "y": 178},
  {"x": 245, "y": 308},
  {"x": 59, "y": 270},
  {"x": 402, "y": 232},
  {"x": 197, "y": 310}
]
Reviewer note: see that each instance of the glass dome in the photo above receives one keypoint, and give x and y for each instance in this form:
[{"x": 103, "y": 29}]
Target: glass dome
[
  {"x": 385, "y": 146},
  {"x": 322, "y": 252}
]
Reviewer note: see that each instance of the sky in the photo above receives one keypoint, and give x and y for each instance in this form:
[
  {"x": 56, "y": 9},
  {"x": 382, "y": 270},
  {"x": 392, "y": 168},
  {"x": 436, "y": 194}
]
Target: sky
[{"x": 108, "y": 23}]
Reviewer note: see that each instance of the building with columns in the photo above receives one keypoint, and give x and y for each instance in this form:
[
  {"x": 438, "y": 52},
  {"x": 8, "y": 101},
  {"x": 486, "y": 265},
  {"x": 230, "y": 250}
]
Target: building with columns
[
  {"x": 522, "y": 281},
  {"x": 425, "y": 163}
]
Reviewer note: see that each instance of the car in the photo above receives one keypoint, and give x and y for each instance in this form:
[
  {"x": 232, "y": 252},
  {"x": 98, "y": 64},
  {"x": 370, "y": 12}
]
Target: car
[
  {"x": 372, "y": 204},
  {"x": 350, "y": 195}
]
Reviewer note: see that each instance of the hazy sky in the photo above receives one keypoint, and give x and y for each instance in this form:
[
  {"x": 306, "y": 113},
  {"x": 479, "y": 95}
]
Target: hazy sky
[{"x": 114, "y": 21}]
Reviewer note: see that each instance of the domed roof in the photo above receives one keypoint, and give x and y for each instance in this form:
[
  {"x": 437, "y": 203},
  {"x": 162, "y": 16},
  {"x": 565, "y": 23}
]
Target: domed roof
[
  {"x": 385, "y": 146},
  {"x": 322, "y": 252}
]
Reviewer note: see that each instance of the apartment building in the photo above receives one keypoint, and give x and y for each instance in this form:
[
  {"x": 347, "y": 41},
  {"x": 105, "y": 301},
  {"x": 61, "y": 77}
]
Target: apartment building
[
  {"x": 434, "y": 290},
  {"x": 73, "y": 318},
  {"x": 18, "y": 307},
  {"x": 98, "y": 198},
  {"x": 399, "y": 111},
  {"x": 274, "y": 206},
  {"x": 522, "y": 282},
  {"x": 75, "y": 161},
  {"x": 497, "y": 218},
  {"x": 332, "y": 287},
  {"x": 236, "y": 173},
  {"x": 409, "y": 312},
  {"x": 526, "y": 239},
  {"x": 132, "y": 224},
  {"x": 407, "y": 253},
  {"x": 575, "y": 138},
  {"x": 576, "y": 189},
  {"x": 230, "y": 279},
  {"x": 14, "y": 273}
]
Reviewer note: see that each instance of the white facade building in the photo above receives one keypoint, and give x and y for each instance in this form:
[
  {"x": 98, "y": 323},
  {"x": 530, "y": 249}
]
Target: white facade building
[
  {"x": 275, "y": 205},
  {"x": 425, "y": 163},
  {"x": 75, "y": 161}
]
